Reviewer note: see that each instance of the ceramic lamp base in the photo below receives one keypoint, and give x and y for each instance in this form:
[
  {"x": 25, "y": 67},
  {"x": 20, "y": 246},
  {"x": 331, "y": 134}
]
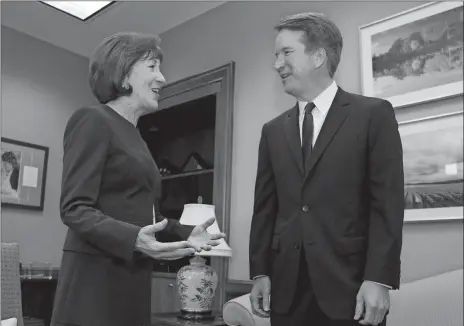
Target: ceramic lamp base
[
  {"x": 196, "y": 284},
  {"x": 190, "y": 315}
]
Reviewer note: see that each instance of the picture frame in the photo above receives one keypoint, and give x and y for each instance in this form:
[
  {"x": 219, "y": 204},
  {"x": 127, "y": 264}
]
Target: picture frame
[
  {"x": 433, "y": 167},
  {"x": 415, "y": 56},
  {"x": 24, "y": 174}
]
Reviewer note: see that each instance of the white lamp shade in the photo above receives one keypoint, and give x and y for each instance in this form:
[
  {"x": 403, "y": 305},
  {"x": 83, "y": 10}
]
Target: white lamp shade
[{"x": 195, "y": 214}]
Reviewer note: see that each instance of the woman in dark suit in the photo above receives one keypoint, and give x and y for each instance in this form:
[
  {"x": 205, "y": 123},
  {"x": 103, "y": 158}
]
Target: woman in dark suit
[{"x": 109, "y": 185}]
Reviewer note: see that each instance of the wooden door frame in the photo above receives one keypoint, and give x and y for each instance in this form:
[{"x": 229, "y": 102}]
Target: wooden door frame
[{"x": 184, "y": 90}]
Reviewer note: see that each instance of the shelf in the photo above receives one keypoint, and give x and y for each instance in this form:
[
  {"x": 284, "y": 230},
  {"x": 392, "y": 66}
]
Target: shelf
[{"x": 187, "y": 174}]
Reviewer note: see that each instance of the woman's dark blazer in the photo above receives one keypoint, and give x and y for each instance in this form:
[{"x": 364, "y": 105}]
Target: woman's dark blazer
[{"x": 110, "y": 183}]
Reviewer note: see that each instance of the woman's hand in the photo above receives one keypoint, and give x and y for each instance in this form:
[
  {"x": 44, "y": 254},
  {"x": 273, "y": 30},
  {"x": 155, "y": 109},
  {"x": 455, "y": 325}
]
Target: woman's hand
[
  {"x": 200, "y": 239},
  {"x": 146, "y": 243}
]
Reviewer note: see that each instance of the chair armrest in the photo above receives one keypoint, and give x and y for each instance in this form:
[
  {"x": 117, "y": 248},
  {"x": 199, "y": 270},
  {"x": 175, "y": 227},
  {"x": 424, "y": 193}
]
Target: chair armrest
[
  {"x": 237, "y": 312},
  {"x": 431, "y": 301},
  {"x": 9, "y": 322}
]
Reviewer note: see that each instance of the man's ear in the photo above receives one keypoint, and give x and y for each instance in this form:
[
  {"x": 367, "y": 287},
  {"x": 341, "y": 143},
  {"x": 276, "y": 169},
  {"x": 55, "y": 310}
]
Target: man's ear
[{"x": 320, "y": 57}]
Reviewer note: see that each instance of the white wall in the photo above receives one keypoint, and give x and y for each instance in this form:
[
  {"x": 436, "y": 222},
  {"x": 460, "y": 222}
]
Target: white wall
[
  {"x": 243, "y": 32},
  {"x": 41, "y": 86}
]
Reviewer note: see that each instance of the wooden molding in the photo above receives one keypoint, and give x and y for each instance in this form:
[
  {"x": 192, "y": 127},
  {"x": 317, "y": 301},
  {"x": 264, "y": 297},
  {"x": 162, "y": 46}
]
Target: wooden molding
[{"x": 220, "y": 82}]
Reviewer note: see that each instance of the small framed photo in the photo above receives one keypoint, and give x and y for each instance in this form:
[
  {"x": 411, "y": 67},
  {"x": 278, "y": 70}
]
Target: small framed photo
[
  {"x": 415, "y": 56},
  {"x": 24, "y": 172},
  {"x": 433, "y": 167}
]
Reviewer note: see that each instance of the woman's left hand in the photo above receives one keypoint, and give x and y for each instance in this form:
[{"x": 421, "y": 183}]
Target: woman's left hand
[{"x": 201, "y": 239}]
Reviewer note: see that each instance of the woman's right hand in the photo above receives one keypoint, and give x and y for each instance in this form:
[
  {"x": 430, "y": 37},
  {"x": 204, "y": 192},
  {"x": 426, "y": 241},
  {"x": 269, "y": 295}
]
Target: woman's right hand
[{"x": 146, "y": 243}]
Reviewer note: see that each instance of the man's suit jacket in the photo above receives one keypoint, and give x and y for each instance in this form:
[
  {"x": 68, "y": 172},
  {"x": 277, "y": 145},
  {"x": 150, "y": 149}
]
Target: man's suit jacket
[{"x": 345, "y": 208}]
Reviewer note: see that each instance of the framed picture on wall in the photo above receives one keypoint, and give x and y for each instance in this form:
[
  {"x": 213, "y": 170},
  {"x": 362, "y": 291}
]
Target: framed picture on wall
[
  {"x": 414, "y": 56},
  {"x": 24, "y": 171},
  {"x": 433, "y": 167}
]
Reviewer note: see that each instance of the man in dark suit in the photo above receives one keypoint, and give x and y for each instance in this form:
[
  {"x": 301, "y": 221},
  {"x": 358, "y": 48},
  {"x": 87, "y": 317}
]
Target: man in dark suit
[{"x": 327, "y": 222}]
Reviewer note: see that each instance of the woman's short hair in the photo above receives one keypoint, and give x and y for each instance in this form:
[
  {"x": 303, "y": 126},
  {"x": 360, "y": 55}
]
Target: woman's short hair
[
  {"x": 10, "y": 157},
  {"x": 320, "y": 32},
  {"x": 113, "y": 59}
]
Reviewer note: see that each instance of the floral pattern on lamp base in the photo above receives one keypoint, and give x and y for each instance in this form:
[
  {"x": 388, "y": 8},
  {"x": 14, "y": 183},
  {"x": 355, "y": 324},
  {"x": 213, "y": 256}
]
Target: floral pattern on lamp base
[{"x": 197, "y": 285}]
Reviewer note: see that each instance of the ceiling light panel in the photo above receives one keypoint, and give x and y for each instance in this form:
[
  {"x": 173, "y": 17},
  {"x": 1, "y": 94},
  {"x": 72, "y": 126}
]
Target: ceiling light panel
[{"x": 79, "y": 9}]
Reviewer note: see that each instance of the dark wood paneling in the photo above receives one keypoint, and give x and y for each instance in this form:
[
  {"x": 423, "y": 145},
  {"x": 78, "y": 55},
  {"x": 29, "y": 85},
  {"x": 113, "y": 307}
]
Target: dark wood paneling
[{"x": 220, "y": 82}]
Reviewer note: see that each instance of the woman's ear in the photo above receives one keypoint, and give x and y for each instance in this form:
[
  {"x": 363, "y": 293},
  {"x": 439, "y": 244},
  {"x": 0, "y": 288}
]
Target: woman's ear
[{"x": 125, "y": 84}]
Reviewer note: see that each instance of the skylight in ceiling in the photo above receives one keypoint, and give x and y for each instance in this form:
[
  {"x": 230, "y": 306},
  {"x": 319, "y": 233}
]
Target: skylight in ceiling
[{"x": 80, "y": 9}]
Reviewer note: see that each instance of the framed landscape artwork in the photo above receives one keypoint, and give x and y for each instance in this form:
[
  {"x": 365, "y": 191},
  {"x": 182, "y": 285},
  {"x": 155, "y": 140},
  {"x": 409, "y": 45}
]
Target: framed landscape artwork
[
  {"x": 433, "y": 167},
  {"x": 24, "y": 170},
  {"x": 415, "y": 56}
]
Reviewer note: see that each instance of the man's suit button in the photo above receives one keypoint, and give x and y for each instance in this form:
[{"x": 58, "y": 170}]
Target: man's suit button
[
  {"x": 296, "y": 246},
  {"x": 305, "y": 208}
]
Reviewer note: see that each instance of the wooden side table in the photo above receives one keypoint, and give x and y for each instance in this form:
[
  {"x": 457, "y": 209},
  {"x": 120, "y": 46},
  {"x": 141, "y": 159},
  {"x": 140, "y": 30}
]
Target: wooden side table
[
  {"x": 170, "y": 319},
  {"x": 37, "y": 296}
]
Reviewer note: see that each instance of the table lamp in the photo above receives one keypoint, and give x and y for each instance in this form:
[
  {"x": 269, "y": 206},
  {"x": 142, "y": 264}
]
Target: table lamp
[{"x": 197, "y": 282}]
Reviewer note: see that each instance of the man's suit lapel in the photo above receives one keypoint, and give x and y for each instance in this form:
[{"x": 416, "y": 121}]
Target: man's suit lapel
[
  {"x": 333, "y": 121},
  {"x": 292, "y": 130}
]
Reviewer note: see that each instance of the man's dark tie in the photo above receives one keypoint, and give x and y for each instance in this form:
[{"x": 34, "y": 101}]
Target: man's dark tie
[{"x": 308, "y": 127}]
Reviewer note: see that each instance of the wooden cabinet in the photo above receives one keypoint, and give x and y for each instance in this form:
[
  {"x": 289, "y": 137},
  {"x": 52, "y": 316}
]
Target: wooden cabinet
[
  {"x": 170, "y": 319},
  {"x": 190, "y": 138},
  {"x": 164, "y": 295}
]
